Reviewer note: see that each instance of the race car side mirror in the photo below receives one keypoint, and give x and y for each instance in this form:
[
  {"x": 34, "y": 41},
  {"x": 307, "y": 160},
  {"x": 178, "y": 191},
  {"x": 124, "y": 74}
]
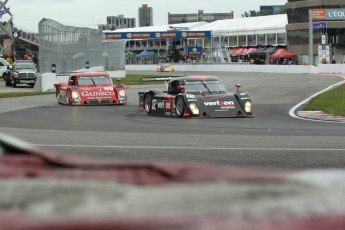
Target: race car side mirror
[
  {"x": 118, "y": 80},
  {"x": 180, "y": 88},
  {"x": 238, "y": 86}
]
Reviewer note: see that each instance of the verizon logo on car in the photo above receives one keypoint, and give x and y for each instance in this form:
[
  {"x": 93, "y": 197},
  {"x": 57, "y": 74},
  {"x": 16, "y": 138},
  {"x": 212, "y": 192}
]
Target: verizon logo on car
[{"x": 219, "y": 103}]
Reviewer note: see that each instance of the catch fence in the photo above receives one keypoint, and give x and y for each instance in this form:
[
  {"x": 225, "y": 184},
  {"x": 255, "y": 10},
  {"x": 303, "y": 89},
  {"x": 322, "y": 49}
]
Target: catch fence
[{"x": 65, "y": 49}]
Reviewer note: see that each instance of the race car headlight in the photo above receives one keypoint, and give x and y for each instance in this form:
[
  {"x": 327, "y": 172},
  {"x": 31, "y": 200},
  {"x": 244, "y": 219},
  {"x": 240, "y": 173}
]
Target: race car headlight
[
  {"x": 122, "y": 95},
  {"x": 248, "y": 107},
  {"x": 194, "y": 108},
  {"x": 76, "y": 97}
]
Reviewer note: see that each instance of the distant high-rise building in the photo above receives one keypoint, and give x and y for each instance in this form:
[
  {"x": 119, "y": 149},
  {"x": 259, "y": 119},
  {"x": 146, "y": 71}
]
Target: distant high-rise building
[
  {"x": 200, "y": 16},
  {"x": 272, "y": 10},
  {"x": 145, "y": 15},
  {"x": 120, "y": 22}
]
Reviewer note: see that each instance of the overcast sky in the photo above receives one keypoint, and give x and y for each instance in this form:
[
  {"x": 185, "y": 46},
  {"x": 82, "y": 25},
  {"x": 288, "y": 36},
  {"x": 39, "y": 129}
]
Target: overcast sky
[{"x": 90, "y": 13}]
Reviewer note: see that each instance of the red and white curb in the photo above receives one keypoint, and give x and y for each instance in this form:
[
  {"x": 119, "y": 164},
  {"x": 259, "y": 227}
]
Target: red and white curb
[
  {"x": 317, "y": 115},
  {"x": 321, "y": 116}
]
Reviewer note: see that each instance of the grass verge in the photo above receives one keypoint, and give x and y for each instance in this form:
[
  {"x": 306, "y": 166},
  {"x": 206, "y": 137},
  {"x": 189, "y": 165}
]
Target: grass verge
[
  {"x": 331, "y": 102},
  {"x": 23, "y": 94}
]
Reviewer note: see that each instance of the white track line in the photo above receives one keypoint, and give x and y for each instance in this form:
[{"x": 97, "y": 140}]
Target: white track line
[{"x": 185, "y": 148}]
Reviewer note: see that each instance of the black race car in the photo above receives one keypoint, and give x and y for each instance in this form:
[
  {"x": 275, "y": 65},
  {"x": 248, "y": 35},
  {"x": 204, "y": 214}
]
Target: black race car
[{"x": 196, "y": 96}]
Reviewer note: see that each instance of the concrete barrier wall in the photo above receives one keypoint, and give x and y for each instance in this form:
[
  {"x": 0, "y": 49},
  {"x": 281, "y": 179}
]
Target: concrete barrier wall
[
  {"x": 47, "y": 81},
  {"x": 231, "y": 68},
  {"x": 331, "y": 69}
]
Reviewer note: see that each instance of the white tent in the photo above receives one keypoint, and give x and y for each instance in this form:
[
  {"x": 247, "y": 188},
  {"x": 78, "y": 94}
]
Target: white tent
[{"x": 243, "y": 26}]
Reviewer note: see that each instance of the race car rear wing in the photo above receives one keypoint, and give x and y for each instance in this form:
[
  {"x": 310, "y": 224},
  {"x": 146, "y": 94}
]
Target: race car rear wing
[
  {"x": 142, "y": 80},
  {"x": 166, "y": 79}
]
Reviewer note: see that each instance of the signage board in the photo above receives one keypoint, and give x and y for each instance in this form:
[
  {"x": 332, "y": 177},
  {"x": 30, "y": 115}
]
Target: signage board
[
  {"x": 328, "y": 14},
  {"x": 323, "y": 39},
  {"x": 194, "y": 51},
  {"x": 335, "y": 14},
  {"x": 157, "y": 35},
  {"x": 320, "y": 25},
  {"x": 319, "y": 14}
]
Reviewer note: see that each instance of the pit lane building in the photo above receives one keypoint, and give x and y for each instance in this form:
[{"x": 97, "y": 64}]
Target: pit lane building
[
  {"x": 215, "y": 41},
  {"x": 206, "y": 42}
]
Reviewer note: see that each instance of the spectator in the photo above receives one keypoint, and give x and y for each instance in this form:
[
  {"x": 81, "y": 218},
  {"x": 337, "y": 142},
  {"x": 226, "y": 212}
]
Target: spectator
[
  {"x": 26, "y": 56},
  {"x": 17, "y": 56},
  {"x": 324, "y": 61},
  {"x": 9, "y": 60},
  {"x": 35, "y": 58}
]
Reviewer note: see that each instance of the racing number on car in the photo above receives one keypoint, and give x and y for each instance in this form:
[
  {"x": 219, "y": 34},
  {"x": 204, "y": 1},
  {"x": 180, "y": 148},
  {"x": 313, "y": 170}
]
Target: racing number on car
[
  {"x": 169, "y": 103},
  {"x": 154, "y": 103}
]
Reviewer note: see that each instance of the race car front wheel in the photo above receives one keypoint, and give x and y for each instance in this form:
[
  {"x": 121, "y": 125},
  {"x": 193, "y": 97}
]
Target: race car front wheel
[
  {"x": 148, "y": 103},
  {"x": 179, "y": 106}
]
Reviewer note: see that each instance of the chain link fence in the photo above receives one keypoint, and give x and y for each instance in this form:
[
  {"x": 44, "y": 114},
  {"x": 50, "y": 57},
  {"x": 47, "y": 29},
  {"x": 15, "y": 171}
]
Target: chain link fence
[
  {"x": 114, "y": 55},
  {"x": 66, "y": 49}
]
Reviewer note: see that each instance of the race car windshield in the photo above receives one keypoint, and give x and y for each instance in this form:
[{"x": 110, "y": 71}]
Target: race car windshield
[
  {"x": 204, "y": 86},
  {"x": 101, "y": 80},
  {"x": 94, "y": 80}
]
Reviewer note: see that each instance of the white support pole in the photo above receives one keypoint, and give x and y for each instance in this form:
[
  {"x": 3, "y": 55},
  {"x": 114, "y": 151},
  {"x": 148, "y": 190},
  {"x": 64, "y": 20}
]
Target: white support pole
[{"x": 311, "y": 39}]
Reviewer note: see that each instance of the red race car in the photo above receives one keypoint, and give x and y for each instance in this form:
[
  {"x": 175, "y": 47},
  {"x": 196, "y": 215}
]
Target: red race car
[{"x": 90, "y": 88}]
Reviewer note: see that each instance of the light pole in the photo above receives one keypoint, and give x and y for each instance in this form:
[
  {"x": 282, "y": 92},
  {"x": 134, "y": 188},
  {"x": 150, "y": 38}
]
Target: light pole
[{"x": 311, "y": 39}]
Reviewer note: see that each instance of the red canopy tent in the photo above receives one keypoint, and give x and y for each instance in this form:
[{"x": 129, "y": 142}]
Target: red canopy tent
[
  {"x": 282, "y": 53},
  {"x": 235, "y": 51},
  {"x": 246, "y": 52},
  {"x": 242, "y": 51}
]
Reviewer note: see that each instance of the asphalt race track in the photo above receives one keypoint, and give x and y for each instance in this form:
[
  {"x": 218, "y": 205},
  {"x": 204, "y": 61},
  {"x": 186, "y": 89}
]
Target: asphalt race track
[{"x": 272, "y": 139}]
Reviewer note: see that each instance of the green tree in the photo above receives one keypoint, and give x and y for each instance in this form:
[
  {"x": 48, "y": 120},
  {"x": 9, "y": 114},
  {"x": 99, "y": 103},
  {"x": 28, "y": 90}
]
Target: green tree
[
  {"x": 245, "y": 15},
  {"x": 282, "y": 11},
  {"x": 254, "y": 13},
  {"x": 251, "y": 13}
]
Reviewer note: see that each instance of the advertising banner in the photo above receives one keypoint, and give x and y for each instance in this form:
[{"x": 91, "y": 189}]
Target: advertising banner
[
  {"x": 319, "y": 14},
  {"x": 320, "y": 25},
  {"x": 335, "y": 14},
  {"x": 194, "y": 51},
  {"x": 157, "y": 35},
  {"x": 328, "y": 14}
]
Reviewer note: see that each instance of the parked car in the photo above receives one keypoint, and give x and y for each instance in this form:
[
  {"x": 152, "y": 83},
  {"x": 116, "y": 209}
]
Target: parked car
[
  {"x": 196, "y": 96},
  {"x": 21, "y": 72},
  {"x": 3, "y": 67},
  {"x": 90, "y": 88}
]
